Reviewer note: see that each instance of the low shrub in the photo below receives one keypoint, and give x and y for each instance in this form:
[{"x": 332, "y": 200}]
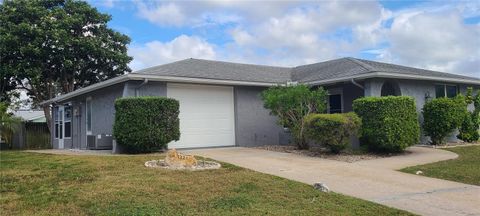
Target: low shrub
[
  {"x": 332, "y": 130},
  {"x": 145, "y": 124},
  {"x": 442, "y": 116},
  {"x": 469, "y": 129},
  {"x": 389, "y": 124}
]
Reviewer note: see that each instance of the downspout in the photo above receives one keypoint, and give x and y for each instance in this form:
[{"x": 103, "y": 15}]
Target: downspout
[
  {"x": 357, "y": 84},
  {"x": 145, "y": 81}
]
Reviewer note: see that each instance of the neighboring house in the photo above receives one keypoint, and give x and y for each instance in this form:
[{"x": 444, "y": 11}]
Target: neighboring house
[
  {"x": 220, "y": 103},
  {"x": 31, "y": 115}
]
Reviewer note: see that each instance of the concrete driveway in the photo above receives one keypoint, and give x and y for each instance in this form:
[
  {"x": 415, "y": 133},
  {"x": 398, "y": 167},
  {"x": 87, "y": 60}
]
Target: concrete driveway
[{"x": 375, "y": 180}]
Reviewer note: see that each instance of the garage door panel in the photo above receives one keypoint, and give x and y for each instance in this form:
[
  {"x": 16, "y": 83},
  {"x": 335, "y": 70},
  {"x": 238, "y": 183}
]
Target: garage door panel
[{"x": 206, "y": 115}]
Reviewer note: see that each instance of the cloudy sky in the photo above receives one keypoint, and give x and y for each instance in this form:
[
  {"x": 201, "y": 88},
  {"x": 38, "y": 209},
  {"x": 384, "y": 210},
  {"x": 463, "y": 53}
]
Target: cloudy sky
[{"x": 439, "y": 35}]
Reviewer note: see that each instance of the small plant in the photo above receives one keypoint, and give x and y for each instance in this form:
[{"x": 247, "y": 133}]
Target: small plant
[
  {"x": 291, "y": 104},
  {"x": 333, "y": 130},
  {"x": 469, "y": 129},
  {"x": 145, "y": 124},
  {"x": 442, "y": 116},
  {"x": 389, "y": 124}
]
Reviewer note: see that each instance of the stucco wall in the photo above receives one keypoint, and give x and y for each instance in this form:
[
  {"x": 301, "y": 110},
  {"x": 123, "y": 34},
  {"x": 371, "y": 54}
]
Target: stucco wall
[
  {"x": 103, "y": 115},
  {"x": 148, "y": 89},
  {"x": 254, "y": 126}
]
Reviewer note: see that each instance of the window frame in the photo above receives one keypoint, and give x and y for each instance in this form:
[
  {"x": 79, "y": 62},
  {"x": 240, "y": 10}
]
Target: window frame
[
  {"x": 445, "y": 93},
  {"x": 69, "y": 105},
  {"x": 88, "y": 107},
  {"x": 336, "y": 91},
  {"x": 56, "y": 122}
]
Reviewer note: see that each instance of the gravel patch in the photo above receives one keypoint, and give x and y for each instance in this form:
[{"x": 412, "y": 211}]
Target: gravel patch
[{"x": 348, "y": 155}]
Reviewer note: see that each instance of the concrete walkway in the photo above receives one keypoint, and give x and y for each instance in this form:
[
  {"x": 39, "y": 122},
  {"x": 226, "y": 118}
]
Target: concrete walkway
[{"x": 375, "y": 180}]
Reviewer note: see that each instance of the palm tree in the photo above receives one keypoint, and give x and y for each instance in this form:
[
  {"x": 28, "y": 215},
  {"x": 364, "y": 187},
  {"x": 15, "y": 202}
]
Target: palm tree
[{"x": 9, "y": 124}]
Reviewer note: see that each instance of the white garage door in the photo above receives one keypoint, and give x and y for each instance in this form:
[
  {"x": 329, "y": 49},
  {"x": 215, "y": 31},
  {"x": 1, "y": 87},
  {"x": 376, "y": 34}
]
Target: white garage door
[{"x": 206, "y": 115}]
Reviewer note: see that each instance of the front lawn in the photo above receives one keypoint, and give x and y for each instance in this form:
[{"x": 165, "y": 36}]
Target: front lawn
[
  {"x": 465, "y": 168},
  {"x": 42, "y": 184}
]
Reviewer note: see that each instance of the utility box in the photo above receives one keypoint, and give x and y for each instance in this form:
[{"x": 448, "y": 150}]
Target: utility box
[{"x": 100, "y": 142}]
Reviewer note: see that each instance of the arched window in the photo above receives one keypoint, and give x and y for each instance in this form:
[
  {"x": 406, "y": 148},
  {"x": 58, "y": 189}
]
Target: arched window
[{"x": 390, "y": 89}]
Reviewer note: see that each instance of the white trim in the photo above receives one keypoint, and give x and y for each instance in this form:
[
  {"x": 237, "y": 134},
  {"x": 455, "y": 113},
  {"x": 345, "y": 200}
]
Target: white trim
[
  {"x": 133, "y": 76},
  {"x": 393, "y": 75},
  {"x": 71, "y": 116},
  {"x": 88, "y": 132},
  {"x": 61, "y": 140}
]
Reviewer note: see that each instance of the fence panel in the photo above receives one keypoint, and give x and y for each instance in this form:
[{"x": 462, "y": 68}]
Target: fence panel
[{"x": 37, "y": 136}]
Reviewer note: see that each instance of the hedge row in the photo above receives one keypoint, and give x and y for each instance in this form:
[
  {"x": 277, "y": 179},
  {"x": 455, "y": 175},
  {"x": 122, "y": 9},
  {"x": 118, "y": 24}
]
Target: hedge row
[
  {"x": 388, "y": 123},
  {"x": 145, "y": 124}
]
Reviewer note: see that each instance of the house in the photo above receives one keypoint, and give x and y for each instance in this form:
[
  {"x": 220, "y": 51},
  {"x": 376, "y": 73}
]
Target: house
[{"x": 220, "y": 103}]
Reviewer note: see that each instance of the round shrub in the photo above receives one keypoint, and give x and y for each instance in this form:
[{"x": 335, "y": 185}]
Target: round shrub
[
  {"x": 442, "y": 116},
  {"x": 145, "y": 124},
  {"x": 389, "y": 124},
  {"x": 332, "y": 130}
]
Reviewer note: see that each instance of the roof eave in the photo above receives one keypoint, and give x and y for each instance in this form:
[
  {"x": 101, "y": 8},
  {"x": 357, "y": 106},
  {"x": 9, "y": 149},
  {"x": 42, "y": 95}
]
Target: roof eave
[
  {"x": 395, "y": 76},
  {"x": 151, "y": 77}
]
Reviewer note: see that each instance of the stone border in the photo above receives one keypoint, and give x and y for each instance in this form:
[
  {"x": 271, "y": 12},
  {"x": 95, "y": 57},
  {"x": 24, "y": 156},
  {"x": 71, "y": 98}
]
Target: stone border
[{"x": 202, "y": 165}]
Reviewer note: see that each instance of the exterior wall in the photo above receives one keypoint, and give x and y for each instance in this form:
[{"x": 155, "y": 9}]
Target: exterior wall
[
  {"x": 103, "y": 114},
  {"x": 136, "y": 88},
  {"x": 254, "y": 126}
]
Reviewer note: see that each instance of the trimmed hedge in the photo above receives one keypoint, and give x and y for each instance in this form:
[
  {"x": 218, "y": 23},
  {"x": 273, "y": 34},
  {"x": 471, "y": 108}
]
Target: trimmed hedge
[
  {"x": 442, "y": 116},
  {"x": 333, "y": 130},
  {"x": 389, "y": 124},
  {"x": 145, "y": 124}
]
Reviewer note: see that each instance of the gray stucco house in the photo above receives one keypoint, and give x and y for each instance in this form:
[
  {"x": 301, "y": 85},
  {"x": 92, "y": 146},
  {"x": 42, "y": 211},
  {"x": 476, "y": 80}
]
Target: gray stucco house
[{"x": 220, "y": 103}]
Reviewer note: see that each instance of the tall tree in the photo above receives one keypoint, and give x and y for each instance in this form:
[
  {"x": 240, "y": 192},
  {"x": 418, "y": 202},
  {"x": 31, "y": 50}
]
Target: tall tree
[{"x": 53, "y": 47}]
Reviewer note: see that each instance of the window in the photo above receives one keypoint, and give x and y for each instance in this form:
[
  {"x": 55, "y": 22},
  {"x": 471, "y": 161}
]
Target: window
[
  {"x": 335, "y": 103},
  {"x": 449, "y": 91},
  {"x": 88, "y": 109},
  {"x": 68, "y": 121},
  {"x": 60, "y": 123},
  {"x": 56, "y": 117},
  {"x": 390, "y": 89}
]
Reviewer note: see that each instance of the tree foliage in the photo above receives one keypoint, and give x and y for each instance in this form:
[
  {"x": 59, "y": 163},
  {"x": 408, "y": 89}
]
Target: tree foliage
[
  {"x": 56, "y": 46},
  {"x": 291, "y": 104},
  {"x": 9, "y": 124}
]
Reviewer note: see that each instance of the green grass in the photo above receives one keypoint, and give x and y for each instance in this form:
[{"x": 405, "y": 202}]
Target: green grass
[
  {"x": 463, "y": 169},
  {"x": 42, "y": 184}
]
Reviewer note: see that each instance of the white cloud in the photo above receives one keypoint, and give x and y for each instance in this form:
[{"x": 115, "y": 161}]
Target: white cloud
[
  {"x": 157, "y": 53},
  {"x": 435, "y": 40},
  {"x": 288, "y": 33},
  {"x": 162, "y": 14}
]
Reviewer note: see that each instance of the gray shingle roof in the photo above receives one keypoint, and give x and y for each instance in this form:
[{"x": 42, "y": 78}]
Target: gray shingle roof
[
  {"x": 197, "y": 68},
  {"x": 333, "y": 69}
]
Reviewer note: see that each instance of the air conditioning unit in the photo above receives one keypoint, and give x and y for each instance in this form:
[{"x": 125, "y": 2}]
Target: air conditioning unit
[{"x": 100, "y": 142}]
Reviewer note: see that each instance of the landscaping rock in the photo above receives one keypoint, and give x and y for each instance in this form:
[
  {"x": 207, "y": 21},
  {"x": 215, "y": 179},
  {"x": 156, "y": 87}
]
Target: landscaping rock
[{"x": 321, "y": 187}]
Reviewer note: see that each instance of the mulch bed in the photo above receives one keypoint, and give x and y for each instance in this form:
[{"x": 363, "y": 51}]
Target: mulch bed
[{"x": 348, "y": 155}]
